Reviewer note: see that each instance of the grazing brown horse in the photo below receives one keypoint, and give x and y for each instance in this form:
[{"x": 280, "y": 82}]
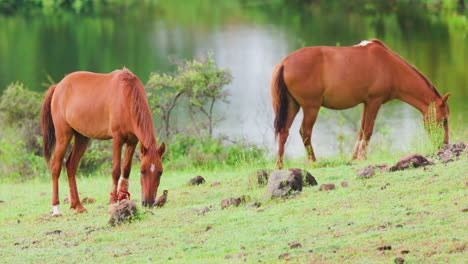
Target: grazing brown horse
[
  {"x": 343, "y": 77},
  {"x": 86, "y": 106}
]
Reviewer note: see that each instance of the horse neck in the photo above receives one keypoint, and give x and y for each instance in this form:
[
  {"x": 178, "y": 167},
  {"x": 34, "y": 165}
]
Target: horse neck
[
  {"x": 143, "y": 125},
  {"x": 413, "y": 90}
]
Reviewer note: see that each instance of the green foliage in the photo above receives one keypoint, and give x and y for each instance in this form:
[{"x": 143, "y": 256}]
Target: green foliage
[
  {"x": 199, "y": 82},
  {"x": 187, "y": 151},
  {"x": 19, "y": 105},
  {"x": 435, "y": 130}
]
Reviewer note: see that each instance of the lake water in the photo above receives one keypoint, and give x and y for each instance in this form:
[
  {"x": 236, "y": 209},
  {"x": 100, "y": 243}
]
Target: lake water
[{"x": 249, "y": 39}]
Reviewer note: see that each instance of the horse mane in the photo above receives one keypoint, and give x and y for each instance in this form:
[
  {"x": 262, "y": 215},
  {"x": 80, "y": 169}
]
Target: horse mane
[
  {"x": 425, "y": 79},
  {"x": 139, "y": 108}
]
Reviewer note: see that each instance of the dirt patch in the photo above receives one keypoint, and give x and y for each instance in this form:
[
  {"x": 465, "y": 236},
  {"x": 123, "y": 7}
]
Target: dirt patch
[
  {"x": 414, "y": 160},
  {"x": 197, "y": 180},
  {"x": 450, "y": 151},
  {"x": 327, "y": 187},
  {"x": 121, "y": 212},
  {"x": 285, "y": 256},
  {"x": 230, "y": 201},
  {"x": 345, "y": 184},
  {"x": 55, "y": 232},
  {"x": 215, "y": 184},
  {"x": 88, "y": 200},
  {"x": 370, "y": 170},
  {"x": 295, "y": 245}
]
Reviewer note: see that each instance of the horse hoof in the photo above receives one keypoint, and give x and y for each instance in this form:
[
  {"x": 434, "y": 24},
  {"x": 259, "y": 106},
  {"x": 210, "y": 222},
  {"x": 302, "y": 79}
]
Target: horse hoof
[{"x": 81, "y": 210}]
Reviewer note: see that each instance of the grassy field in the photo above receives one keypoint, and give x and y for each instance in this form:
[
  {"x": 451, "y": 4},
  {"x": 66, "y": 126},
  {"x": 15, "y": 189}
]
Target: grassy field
[{"x": 417, "y": 210}]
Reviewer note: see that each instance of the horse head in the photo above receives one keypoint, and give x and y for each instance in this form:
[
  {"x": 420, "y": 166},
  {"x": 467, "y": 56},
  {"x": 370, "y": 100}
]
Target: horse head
[{"x": 150, "y": 172}]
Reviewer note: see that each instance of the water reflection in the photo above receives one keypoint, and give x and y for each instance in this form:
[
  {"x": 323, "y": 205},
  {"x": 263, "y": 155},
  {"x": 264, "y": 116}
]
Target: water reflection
[{"x": 250, "y": 41}]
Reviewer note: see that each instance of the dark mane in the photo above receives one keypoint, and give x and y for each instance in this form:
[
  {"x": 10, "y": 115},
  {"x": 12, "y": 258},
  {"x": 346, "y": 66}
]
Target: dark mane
[
  {"x": 140, "y": 109},
  {"x": 425, "y": 79}
]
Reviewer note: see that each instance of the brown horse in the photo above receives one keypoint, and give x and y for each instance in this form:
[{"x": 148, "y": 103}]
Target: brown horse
[
  {"x": 87, "y": 105},
  {"x": 343, "y": 77}
]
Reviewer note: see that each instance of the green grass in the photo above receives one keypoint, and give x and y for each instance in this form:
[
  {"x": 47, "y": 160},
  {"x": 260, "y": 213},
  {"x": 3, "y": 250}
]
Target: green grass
[{"x": 415, "y": 212}]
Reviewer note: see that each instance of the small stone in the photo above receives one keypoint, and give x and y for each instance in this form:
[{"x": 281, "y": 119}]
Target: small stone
[
  {"x": 254, "y": 204},
  {"x": 197, "y": 180},
  {"x": 399, "y": 260},
  {"x": 411, "y": 160},
  {"x": 230, "y": 201},
  {"x": 295, "y": 245},
  {"x": 88, "y": 200},
  {"x": 385, "y": 248},
  {"x": 464, "y": 209},
  {"x": 208, "y": 227},
  {"x": 327, "y": 187},
  {"x": 284, "y": 256},
  {"x": 345, "y": 184},
  {"x": 1, "y": 201},
  {"x": 366, "y": 172},
  {"x": 404, "y": 252}
]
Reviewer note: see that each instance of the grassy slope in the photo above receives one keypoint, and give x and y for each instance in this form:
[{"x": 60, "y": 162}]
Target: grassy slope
[{"x": 415, "y": 212}]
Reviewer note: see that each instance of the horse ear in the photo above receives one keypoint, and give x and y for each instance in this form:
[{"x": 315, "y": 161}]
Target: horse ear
[
  {"x": 445, "y": 98},
  {"x": 162, "y": 149}
]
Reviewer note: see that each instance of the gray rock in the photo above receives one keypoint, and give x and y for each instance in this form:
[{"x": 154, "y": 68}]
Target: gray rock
[
  {"x": 281, "y": 183},
  {"x": 366, "y": 172},
  {"x": 307, "y": 178},
  {"x": 254, "y": 204},
  {"x": 197, "y": 180}
]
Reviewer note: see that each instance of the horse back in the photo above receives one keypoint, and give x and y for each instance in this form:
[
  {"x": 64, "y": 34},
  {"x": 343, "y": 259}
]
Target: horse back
[
  {"x": 90, "y": 103},
  {"x": 338, "y": 77}
]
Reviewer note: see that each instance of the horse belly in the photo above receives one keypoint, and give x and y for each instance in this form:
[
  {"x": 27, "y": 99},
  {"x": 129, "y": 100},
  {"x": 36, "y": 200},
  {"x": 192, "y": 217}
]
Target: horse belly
[
  {"x": 339, "y": 99},
  {"x": 92, "y": 122}
]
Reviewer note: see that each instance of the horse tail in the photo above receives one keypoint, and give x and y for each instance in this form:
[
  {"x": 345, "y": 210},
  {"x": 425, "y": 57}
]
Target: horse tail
[
  {"x": 280, "y": 100},
  {"x": 47, "y": 125}
]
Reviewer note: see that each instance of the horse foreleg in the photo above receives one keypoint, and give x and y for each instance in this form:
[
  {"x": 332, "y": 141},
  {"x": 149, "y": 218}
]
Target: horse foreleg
[
  {"x": 116, "y": 153},
  {"x": 79, "y": 147},
  {"x": 360, "y": 134},
  {"x": 127, "y": 166},
  {"x": 310, "y": 116},
  {"x": 369, "y": 118},
  {"x": 60, "y": 150}
]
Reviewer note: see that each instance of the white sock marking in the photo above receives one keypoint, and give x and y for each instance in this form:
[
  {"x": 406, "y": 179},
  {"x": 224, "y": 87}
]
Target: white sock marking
[
  {"x": 56, "y": 210},
  {"x": 152, "y": 167}
]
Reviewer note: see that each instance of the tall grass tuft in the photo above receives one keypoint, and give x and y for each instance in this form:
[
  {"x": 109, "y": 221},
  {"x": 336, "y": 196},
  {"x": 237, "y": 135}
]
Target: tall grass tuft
[{"x": 434, "y": 129}]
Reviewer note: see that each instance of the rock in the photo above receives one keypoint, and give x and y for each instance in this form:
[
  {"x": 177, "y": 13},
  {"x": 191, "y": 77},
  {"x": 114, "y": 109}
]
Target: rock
[
  {"x": 215, "y": 184},
  {"x": 197, "y": 180},
  {"x": 284, "y": 256},
  {"x": 1, "y": 201},
  {"x": 281, "y": 183},
  {"x": 448, "y": 151},
  {"x": 254, "y": 204},
  {"x": 411, "y": 160},
  {"x": 327, "y": 187},
  {"x": 230, "y": 201},
  {"x": 344, "y": 184},
  {"x": 88, "y": 200},
  {"x": 366, "y": 172},
  {"x": 122, "y": 211},
  {"x": 399, "y": 260},
  {"x": 403, "y": 252},
  {"x": 307, "y": 178},
  {"x": 208, "y": 227},
  {"x": 295, "y": 245},
  {"x": 385, "y": 248},
  {"x": 464, "y": 210},
  {"x": 203, "y": 210}
]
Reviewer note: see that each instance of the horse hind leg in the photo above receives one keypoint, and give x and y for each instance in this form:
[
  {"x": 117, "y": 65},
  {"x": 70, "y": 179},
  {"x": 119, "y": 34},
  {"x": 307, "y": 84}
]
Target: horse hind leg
[
  {"x": 62, "y": 141},
  {"x": 79, "y": 147},
  {"x": 284, "y": 133},
  {"x": 369, "y": 116},
  {"x": 310, "y": 116}
]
